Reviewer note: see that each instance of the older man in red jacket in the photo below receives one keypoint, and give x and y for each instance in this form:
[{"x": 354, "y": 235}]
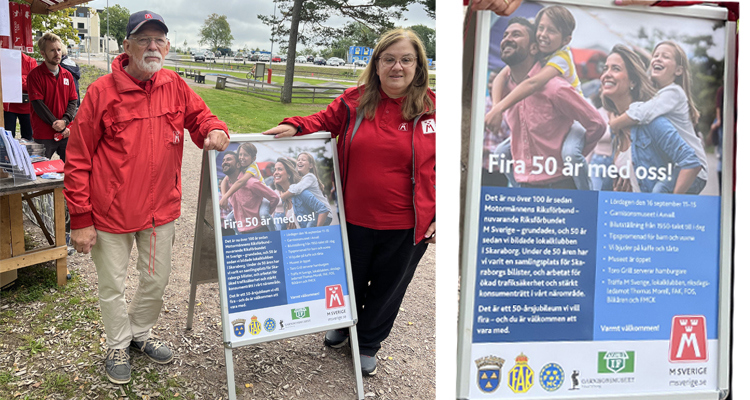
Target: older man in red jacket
[{"x": 122, "y": 183}]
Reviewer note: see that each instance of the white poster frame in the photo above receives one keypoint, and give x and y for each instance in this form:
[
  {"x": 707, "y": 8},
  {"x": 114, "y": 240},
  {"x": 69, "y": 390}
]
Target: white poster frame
[
  {"x": 220, "y": 263},
  {"x": 473, "y": 188}
]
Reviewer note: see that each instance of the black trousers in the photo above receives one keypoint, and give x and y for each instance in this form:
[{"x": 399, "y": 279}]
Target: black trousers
[
  {"x": 51, "y": 146},
  {"x": 383, "y": 264},
  {"x": 23, "y": 119}
]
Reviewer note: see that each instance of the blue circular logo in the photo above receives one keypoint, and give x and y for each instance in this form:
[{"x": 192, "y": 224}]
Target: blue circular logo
[
  {"x": 270, "y": 324},
  {"x": 551, "y": 377}
]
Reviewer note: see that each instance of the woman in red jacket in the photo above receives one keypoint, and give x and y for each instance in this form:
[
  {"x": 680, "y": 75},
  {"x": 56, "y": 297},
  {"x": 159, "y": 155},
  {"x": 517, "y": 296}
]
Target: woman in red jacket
[{"x": 385, "y": 131}]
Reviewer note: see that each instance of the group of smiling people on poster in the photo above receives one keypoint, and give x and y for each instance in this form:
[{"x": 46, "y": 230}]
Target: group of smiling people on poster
[
  {"x": 291, "y": 198},
  {"x": 642, "y": 137}
]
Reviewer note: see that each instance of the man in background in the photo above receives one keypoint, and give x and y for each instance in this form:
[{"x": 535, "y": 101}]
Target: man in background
[{"x": 53, "y": 97}]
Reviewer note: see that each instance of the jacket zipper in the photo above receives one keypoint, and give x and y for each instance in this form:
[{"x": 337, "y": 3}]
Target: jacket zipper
[
  {"x": 151, "y": 156},
  {"x": 346, "y": 132},
  {"x": 413, "y": 179}
]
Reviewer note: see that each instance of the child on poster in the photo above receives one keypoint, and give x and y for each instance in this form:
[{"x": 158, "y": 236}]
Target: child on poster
[
  {"x": 670, "y": 73},
  {"x": 310, "y": 180},
  {"x": 554, "y": 30},
  {"x": 247, "y": 153}
]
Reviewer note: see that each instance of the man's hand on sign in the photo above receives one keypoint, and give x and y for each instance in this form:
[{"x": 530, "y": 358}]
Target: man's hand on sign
[
  {"x": 282, "y": 131},
  {"x": 83, "y": 239},
  {"x": 216, "y": 140}
]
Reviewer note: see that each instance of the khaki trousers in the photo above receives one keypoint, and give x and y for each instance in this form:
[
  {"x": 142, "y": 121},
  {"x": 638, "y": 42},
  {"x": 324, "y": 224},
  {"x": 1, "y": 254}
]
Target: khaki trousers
[{"x": 111, "y": 255}]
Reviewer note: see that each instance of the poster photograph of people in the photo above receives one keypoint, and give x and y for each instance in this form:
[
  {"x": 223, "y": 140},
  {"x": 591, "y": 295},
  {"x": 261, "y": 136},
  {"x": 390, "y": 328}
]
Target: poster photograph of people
[
  {"x": 636, "y": 98},
  {"x": 267, "y": 186},
  {"x": 596, "y": 129}
]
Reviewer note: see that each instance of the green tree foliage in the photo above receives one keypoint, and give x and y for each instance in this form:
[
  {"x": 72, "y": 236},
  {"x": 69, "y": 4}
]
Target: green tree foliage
[
  {"x": 57, "y": 22},
  {"x": 314, "y": 30},
  {"x": 216, "y": 32},
  {"x": 118, "y": 22},
  {"x": 427, "y": 35}
]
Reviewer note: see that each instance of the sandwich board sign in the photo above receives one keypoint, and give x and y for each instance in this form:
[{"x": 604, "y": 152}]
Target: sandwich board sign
[
  {"x": 281, "y": 255},
  {"x": 600, "y": 279}
]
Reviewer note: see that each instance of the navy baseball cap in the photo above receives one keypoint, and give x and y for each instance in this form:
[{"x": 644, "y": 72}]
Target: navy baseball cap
[{"x": 139, "y": 18}]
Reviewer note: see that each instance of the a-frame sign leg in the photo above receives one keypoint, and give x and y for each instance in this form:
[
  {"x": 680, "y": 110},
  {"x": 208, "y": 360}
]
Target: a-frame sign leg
[
  {"x": 204, "y": 196},
  {"x": 354, "y": 341},
  {"x": 230, "y": 371}
]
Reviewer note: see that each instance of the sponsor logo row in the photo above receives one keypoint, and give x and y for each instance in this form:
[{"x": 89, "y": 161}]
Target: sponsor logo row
[
  {"x": 300, "y": 315},
  {"x": 551, "y": 376}
]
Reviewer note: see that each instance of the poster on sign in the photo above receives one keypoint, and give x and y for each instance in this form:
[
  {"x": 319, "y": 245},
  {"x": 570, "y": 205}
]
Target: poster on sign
[
  {"x": 280, "y": 238},
  {"x": 595, "y": 255}
]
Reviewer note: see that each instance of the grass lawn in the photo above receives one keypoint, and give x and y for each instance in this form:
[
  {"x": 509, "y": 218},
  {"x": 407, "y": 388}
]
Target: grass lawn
[{"x": 249, "y": 114}]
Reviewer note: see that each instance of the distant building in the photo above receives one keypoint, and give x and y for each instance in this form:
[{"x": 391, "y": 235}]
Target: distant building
[{"x": 86, "y": 21}]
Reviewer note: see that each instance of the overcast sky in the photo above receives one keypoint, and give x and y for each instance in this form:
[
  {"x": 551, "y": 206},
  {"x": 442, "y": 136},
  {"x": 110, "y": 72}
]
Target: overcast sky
[{"x": 185, "y": 17}]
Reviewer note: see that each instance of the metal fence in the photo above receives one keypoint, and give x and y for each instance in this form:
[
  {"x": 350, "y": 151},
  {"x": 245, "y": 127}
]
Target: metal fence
[{"x": 309, "y": 93}]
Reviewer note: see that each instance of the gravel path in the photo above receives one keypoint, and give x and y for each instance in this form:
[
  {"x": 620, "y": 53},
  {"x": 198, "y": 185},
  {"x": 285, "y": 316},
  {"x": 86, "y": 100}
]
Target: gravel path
[{"x": 296, "y": 368}]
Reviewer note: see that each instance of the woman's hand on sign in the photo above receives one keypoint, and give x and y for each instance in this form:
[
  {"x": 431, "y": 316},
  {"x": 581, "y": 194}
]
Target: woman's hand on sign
[
  {"x": 430, "y": 234},
  {"x": 634, "y": 2},
  {"x": 499, "y": 7},
  {"x": 282, "y": 131}
]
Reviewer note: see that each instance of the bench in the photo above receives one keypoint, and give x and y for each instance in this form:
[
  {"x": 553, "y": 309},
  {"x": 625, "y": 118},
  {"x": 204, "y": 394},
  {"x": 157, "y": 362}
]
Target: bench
[
  {"x": 180, "y": 73},
  {"x": 199, "y": 78}
]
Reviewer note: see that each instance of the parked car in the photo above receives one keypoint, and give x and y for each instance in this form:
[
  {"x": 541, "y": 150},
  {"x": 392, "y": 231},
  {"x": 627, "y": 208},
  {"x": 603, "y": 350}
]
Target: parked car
[
  {"x": 199, "y": 57},
  {"x": 282, "y": 57},
  {"x": 254, "y": 57},
  {"x": 238, "y": 57},
  {"x": 300, "y": 59},
  {"x": 335, "y": 61},
  {"x": 264, "y": 57},
  {"x": 276, "y": 59},
  {"x": 310, "y": 59},
  {"x": 319, "y": 61},
  {"x": 209, "y": 56},
  {"x": 359, "y": 63}
]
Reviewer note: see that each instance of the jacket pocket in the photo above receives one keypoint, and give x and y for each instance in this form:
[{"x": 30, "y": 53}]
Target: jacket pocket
[
  {"x": 112, "y": 190},
  {"x": 174, "y": 131}
]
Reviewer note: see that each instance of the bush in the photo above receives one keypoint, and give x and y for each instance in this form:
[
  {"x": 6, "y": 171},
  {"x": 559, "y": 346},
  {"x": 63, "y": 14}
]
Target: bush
[{"x": 89, "y": 74}]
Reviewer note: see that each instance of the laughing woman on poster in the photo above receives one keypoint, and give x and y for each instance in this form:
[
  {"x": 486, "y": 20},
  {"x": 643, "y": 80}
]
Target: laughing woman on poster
[
  {"x": 651, "y": 147},
  {"x": 387, "y": 179},
  {"x": 308, "y": 210},
  {"x": 670, "y": 73}
]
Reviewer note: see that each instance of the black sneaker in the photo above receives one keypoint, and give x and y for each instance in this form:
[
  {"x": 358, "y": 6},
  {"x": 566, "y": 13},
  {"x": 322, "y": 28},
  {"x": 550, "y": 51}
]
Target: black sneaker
[
  {"x": 336, "y": 338},
  {"x": 117, "y": 366},
  {"x": 157, "y": 351},
  {"x": 369, "y": 365}
]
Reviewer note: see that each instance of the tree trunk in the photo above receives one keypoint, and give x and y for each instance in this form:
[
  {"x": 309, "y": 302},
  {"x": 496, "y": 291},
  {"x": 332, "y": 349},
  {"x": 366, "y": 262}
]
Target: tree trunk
[{"x": 286, "y": 91}]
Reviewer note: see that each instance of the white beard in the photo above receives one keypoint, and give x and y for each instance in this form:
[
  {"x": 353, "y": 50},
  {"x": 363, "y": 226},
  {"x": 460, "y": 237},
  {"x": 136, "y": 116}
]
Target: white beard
[{"x": 150, "y": 67}]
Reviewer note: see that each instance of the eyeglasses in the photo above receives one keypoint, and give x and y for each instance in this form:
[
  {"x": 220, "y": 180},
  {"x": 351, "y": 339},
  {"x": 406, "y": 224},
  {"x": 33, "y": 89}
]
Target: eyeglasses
[
  {"x": 144, "y": 41},
  {"x": 390, "y": 61}
]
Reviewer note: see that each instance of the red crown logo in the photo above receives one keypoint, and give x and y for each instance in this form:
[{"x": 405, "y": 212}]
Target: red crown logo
[
  {"x": 254, "y": 318},
  {"x": 522, "y": 359}
]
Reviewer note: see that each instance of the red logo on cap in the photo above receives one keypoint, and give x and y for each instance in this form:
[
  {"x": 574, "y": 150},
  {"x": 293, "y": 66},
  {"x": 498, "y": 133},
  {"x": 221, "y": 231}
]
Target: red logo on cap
[{"x": 148, "y": 16}]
